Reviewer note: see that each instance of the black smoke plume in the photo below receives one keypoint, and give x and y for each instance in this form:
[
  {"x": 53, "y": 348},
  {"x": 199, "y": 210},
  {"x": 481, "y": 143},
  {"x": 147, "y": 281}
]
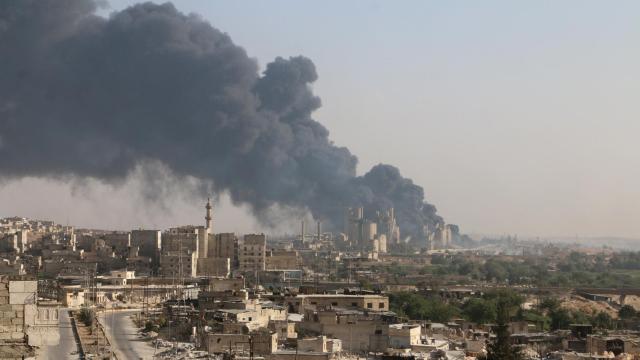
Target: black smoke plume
[{"x": 82, "y": 96}]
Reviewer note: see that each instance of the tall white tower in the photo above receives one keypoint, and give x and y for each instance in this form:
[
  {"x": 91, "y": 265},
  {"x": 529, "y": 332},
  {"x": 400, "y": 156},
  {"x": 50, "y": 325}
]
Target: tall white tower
[{"x": 208, "y": 217}]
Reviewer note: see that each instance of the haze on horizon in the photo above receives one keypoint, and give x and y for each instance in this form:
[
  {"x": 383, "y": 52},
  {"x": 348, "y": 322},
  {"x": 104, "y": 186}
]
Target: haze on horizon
[{"x": 514, "y": 117}]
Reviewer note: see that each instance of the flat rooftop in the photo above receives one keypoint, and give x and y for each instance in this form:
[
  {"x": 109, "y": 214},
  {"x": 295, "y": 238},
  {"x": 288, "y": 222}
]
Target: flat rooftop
[{"x": 339, "y": 296}]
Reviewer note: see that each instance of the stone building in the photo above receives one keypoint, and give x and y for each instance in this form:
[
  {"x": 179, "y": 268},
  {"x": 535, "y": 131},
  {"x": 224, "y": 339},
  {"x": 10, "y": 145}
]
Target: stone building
[
  {"x": 183, "y": 238},
  {"x": 214, "y": 266},
  {"x": 613, "y": 343},
  {"x": 223, "y": 245},
  {"x": 364, "y": 302},
  {"x": 24, "y": 321},
  {"x": 252, "y": 253},
  {"x": 403, "y": 336},
  {"x": 282, "y": 260},
  {"x": 358, "y": 331},
  {"x": 119, "y": 242},
  {"x": 178, "y": 264},
  {"x": 149, "y": 242}
]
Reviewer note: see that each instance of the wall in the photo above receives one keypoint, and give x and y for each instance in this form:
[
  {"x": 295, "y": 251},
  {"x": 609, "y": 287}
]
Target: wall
[
  {"x": 214, "y": 267},
  {"x": 282, "y": 260},
  {"x": 21, "y": 318},
  {"x": 239, "y": 343},
  {"x": 149, "y": 242}
]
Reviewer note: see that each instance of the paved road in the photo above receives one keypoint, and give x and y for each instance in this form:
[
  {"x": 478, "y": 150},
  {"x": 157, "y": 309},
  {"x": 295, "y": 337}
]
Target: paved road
[
  {"x": 123, "y": 336},
  {"x": 67, "y": 344}
]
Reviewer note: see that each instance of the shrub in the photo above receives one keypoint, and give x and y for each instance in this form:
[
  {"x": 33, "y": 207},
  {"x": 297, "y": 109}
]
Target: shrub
[{"x": 86, "y": 315}]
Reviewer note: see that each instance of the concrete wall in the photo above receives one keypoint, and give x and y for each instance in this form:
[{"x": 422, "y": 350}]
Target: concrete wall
[
  {"x": 239, "y": 343},
  {"x": 214, "y": 267},
  {"x": 148, "y": 241},
  {"x": 284, "y": 329},
  {"x": 235, "y": 284},
  {"x": 21, "y": 318},
  {"x": 355, "y": 334},
  {"x": 281, "y": 259}
]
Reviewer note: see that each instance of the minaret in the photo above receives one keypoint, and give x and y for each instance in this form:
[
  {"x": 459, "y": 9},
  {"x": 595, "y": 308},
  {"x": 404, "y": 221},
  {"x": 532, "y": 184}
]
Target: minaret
[{"x": 208, "y": 217}]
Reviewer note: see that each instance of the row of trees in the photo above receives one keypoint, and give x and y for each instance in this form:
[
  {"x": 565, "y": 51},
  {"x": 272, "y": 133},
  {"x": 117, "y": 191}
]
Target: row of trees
[
  {"x": 549, "y": 315},
  {"x": 576, "y": 270}
]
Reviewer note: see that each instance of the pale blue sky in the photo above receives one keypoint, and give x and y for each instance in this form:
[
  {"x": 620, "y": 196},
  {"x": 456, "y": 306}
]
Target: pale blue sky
[{"x": 515, "y": 116}]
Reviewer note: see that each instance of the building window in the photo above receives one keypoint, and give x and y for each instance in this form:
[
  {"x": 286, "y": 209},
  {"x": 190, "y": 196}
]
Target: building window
[
  {"x": 354, "y": 304},
  {"x": 378, "y": 332},
  {"x": 369, "y": 305},
  {"x": 381, "y": 305},
  {"x": 334, "y": 304}
]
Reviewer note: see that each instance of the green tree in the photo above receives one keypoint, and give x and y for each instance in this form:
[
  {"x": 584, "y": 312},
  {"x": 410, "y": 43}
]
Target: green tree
[
  {"x": 149, "y": 326},
  {"x": 603, "y": 320},
  {"x": 578, "y": 317},
  {"x": 560, "y": 318},
  {"x": 366, "y": 284},
  {"x": 494, "y": 270},
  {"x": 86, "y": 315},
  {"x": 501, "y": 348},
  {"x": 627, "y": 312},
  {"x": 549, "y": 303},
  {"x": 511, "y": 299},
  {"x": 480, "y": 311},
  {"x": 418, "y": 307}
]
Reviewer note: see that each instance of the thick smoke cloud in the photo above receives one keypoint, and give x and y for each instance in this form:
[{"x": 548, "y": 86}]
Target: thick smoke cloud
[{"x": 83, "y": 96}]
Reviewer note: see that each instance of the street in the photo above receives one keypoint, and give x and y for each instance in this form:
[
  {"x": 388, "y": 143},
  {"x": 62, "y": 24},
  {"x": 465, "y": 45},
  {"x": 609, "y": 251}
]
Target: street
[
  {"x": 67, "y": 344},
  {"x": 123, "y": 336}
]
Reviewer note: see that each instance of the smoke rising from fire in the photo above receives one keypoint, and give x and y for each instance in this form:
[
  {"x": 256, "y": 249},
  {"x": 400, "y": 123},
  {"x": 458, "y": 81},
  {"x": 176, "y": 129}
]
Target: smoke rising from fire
[{"x": 82, "y": 96}]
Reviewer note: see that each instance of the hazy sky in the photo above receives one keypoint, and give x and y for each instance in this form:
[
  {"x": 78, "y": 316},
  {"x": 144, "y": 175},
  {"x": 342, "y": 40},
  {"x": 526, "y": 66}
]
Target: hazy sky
[{"x": 516, "y": 117}]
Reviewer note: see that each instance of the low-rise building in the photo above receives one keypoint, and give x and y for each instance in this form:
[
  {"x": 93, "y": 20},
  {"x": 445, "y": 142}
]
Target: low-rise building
[
  {"x": 71, "y": 296},
  {"x": 366, "y": 302},
  {"x": 358, "y": 331},
  {"x": 613, "y": 343},
  {"x": 403, "y": 336}
]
